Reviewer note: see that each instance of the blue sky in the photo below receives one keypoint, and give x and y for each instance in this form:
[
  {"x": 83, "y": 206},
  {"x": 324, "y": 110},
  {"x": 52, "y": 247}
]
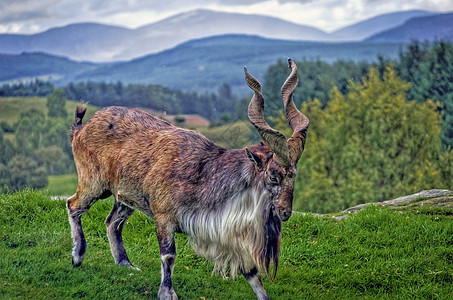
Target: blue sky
[{"x": 31, "y": 16}]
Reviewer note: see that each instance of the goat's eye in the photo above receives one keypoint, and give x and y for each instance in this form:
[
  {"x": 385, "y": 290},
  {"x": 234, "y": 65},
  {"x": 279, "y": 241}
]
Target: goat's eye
[{"x": 273, "y": 179}]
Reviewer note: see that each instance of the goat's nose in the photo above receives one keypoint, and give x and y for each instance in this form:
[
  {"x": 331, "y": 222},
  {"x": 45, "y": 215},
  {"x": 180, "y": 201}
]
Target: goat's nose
[{"x": 285, "y": 215}]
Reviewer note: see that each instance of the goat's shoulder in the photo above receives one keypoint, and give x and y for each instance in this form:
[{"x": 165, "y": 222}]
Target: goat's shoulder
[{"x": 130, "y": 117}]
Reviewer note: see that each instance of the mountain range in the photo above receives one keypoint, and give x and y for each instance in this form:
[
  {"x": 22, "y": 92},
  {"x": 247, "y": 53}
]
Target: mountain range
[
  {"x": 205, "y": 64},
  {"x": 100, "y": 43},
  {"x": 434, "y": 27},
  {"x": 198, "y": 65},
  {"x": 106, "y": 43},
  {"x": 375, "y": 25},
  {"x": 201, "y": 49}
]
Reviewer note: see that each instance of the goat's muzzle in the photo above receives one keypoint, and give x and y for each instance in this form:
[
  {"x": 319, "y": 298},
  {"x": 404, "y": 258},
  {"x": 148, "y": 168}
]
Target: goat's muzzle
[{"x": 283, "y": 213}]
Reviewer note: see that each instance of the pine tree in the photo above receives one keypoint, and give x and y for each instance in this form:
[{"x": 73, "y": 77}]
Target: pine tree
[
  {"x": 56, "y": 104},
  {"x": 370, "y": 145}
]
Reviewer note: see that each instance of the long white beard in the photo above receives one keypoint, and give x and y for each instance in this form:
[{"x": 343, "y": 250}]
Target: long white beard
[{"x": 232, "y": 235}]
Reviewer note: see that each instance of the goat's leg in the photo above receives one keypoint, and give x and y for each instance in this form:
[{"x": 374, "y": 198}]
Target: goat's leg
[
  {"x": 167, "y": 247},
  {"x": 114, "y": 223},
  {"x": 256, "y": 283},
  {"x": 79, "y": 244},
  {"x": 76, "y": 205}
]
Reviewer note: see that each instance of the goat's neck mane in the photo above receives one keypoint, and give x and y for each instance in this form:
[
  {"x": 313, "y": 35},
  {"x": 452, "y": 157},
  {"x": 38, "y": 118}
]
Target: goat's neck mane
[
  {"x": 233, "y": 224},
  {"x": 211, "y": 175}
]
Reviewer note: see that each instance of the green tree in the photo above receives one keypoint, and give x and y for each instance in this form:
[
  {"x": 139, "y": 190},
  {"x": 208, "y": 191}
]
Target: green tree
[
  {"x": 429, "y": 69},
  {"x": 55, "y": 133},
  {"x": 25, "y": 172},
  {"x": 6, "y": 149},
  {"x": 317, "y": 78},
  {"x": 5, "y": 176},
  {"x": 179, "y": 119},
  {"x": 56, "y": 103},
  {"x": 29, "y": 131},
  {"x": 54, "y": 160},
  {"x": 242, "y": 108},
  {"x": 370, "y": 145}
]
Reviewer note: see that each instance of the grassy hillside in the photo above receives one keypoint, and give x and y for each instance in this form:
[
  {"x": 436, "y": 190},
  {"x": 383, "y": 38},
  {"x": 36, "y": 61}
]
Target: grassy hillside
[
  {"x": 377, "y": 253},
  {"x": 61, "y": 185},
  {"x": 12, "y": 107},
  {"x": 31, "y": 65}
]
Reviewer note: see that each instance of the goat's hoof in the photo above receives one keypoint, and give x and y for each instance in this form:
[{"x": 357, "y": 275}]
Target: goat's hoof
[
  {"x": 76, "y": 262},
  {"x": 134, "y": 268},
  {"x": 167, "y": 294},
  {"x": 128, "y": 264}
]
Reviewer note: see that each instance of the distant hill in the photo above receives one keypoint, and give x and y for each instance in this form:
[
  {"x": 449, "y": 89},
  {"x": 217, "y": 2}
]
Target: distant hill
[
  {"x": 205, "y": 64},
  {"x": 101, "y": 43},
  {"x": 369, "y": 27},
  {"x": 427, "y": 28},
  {"x": 204, "y": 23},
  {"x": 105, "y": 43},
  {"x": 32, "y": 65},
  {"x": 83, "y": 41}
]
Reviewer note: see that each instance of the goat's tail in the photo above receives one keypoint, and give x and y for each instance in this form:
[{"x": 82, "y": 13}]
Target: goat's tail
[{"x": 79, "y": 114}]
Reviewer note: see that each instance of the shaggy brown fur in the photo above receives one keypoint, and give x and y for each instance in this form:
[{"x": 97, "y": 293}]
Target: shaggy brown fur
[{"x": 229, "y": 202}]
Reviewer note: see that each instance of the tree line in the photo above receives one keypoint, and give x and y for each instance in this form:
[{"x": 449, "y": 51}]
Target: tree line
[
  {"x": 369, "y": 144},
  {"x": 427, "y": 67},
  {"x": 380, "y": 131},
  {"x": 219, "y": 106},
  {"x": 36, "y": 87},
  {"x": 40, "y": 146}
]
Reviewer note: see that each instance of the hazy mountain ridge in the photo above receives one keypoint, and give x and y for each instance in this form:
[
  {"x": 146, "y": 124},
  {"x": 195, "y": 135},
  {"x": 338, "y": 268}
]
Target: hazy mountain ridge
[
  {"x": 205, "y": 64},
  {"x": 26, "y": 66},
  {"x": 82, "y": 41},
  {"x": 372, "y": 26},
  {"x": 204, "y": 23},
  {"x": 98, "y": 42},
  {"x": 101, "y": 43},
  {"x": 199, "y": 64},
  {"x": 426, "y": 28}
]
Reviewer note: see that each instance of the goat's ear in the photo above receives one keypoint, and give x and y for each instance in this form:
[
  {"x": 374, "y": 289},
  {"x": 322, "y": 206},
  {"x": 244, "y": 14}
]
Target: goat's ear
[{"x": 256, "y": 159}]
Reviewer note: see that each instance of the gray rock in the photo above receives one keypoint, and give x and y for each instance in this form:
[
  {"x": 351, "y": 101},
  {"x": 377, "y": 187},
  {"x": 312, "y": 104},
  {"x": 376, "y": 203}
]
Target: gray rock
[{"x": 422, "y": 197}]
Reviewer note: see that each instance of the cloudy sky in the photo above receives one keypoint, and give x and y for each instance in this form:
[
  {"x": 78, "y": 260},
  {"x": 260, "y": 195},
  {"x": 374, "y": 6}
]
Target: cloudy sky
[{"x": 31, "y": 16}]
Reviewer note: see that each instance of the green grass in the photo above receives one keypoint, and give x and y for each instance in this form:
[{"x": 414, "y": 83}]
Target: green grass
[
  {"x": 12, "y": 107},
  {"x": 378, "y": 253},
  {"x": 61, "y": 185}
]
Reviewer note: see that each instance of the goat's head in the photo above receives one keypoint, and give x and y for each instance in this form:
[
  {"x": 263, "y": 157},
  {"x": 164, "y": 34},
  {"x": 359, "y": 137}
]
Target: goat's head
[{"x": 276, "y": 158}]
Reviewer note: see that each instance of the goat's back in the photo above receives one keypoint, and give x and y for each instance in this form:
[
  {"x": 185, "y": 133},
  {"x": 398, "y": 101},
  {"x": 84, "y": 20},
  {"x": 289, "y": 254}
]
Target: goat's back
[
  {"x": 131, "y": 152},
  {"x": 119, "y": 146}
]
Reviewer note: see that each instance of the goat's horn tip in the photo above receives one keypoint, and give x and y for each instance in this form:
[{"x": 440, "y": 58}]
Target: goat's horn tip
[{"x": 290, "y": 62}]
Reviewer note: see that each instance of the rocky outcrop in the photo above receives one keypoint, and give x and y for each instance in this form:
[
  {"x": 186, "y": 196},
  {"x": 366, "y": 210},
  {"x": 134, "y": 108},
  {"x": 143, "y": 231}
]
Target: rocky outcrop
[
  {"x": 427, "y": 197},
  {"x": 435, "y": 197}
]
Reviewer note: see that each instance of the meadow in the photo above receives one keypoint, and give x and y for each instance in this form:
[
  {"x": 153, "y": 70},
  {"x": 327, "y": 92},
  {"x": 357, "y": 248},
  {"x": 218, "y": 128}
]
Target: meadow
[
  {"x": 12, "y": 107},
  {"x": 378, "y": 253}
]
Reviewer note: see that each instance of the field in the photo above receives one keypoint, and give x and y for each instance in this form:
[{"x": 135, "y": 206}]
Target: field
[
  {"x": 12, "y": 107},
  {"x": 61, "y": 185},
  {"x": 378, "y": 253}
]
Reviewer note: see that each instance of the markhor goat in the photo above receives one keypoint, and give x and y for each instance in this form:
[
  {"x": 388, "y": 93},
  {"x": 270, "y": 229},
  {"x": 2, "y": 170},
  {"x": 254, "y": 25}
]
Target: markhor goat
[{"x": 229, "y": 202}]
